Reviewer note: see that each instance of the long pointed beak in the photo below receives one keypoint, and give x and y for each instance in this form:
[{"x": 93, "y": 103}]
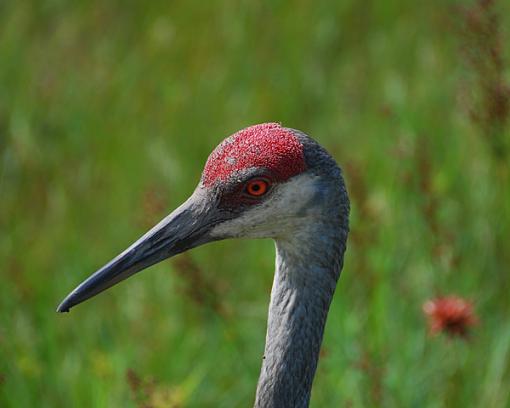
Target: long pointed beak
[{"x": 185, "y": 228}]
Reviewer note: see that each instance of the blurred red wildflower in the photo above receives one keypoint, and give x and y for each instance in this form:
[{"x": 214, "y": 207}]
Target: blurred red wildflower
[{"x": 450, "y": 314}]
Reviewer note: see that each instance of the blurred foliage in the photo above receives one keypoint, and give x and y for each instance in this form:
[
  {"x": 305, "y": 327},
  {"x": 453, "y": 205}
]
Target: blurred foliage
[{"x": 108, "y": 110}]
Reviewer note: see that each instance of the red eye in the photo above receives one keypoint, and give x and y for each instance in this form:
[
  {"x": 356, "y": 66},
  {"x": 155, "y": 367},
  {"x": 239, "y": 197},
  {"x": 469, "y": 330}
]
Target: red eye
[{"x": 257, "y": 187}]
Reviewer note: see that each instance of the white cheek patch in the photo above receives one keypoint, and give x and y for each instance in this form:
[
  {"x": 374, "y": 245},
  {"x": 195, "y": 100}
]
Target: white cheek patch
[{"x": 278, "y": 215}]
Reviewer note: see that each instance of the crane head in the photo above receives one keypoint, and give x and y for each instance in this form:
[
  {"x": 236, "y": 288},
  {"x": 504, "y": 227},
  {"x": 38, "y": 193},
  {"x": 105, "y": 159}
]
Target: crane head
[{"x": 265, "y": 181}]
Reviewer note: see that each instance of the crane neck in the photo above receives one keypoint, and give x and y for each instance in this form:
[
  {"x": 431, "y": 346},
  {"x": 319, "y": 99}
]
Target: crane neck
[{"x": 306, "y": 274}]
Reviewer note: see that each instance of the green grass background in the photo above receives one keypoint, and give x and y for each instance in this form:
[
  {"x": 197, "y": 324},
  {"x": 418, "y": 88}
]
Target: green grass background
[{"x": 108, "y": 111}]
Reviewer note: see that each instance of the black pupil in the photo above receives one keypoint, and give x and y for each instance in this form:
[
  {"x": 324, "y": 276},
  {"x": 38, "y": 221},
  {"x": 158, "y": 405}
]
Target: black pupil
[{"x": 256, "y": 187}]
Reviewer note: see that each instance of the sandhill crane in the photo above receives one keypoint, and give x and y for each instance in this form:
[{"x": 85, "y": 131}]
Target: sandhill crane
[{"x": 265, "y": 181}]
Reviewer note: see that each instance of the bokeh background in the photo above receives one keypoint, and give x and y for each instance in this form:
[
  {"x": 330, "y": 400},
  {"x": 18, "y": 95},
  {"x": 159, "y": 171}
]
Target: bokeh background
[{"x": 108, "y": 111}]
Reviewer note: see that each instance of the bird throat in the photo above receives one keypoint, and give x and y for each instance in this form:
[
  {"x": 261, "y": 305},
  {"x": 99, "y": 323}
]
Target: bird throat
[{"x": 303, "y": 288}]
